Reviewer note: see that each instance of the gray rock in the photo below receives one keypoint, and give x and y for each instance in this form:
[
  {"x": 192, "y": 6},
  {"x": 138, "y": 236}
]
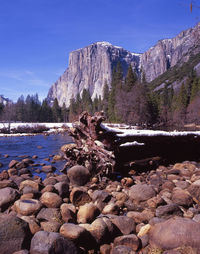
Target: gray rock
[
  {"x": 168, "y": 211},
  {"x": 14, "y": 234},
  {"x": 7, "y": 196},
  {"x": 175, "y": 232},
  {"x": 124, "y": 224},
  {"x": 141, "y": 192},
  {"x": 49, "y": 242},
  {"x": 78, "y": 175},
  {"x": 49, "y": 214}
]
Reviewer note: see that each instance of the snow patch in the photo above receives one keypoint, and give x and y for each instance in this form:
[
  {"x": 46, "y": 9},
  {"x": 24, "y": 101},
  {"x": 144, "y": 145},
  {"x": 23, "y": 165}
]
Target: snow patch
[{"x": 134, "y": 143}]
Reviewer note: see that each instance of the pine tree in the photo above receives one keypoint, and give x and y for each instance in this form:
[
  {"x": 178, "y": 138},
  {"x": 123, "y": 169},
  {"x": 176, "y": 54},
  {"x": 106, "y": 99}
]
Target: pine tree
[
  {"x": 65, "y": 113},
  {"x": 46, "y": 112},
  {"x": 105, "y": 99},
  {"x": 56, "y": 110},
  {"x": 130, "y": 79}
]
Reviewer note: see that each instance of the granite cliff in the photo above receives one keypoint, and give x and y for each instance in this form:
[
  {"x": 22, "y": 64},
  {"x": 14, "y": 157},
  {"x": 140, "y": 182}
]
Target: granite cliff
[{"x": 91, "y": 67}]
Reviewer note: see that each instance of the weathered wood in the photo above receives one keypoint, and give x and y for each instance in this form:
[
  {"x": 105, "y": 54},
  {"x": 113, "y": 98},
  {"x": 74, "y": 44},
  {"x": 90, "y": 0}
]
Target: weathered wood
[{"x": 104, "y": 149}]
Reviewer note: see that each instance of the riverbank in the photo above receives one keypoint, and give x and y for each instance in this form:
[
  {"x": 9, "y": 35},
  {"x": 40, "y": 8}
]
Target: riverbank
[
  {"x": 31, "y": 129},
  {"x": 140, "y": 213}
]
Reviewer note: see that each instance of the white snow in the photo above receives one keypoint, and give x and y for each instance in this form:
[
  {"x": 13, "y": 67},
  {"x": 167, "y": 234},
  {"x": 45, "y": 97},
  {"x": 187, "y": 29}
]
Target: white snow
[
  {"x": 59, "y": 127},
  {"x": 136, "y": 54},
  {"x": 134, "y": 132},
  {"x": 134, "y": 143}
]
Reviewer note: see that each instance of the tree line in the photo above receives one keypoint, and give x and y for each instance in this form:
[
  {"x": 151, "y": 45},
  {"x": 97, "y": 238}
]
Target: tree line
[
  {"x": 128, "y": 99},
  {"x": 132, "y": 100},
  {"x": 30, "y": 109}
]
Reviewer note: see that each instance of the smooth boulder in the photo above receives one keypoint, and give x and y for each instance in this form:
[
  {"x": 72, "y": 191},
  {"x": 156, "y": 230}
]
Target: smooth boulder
[{"x": 78, "y": 175}]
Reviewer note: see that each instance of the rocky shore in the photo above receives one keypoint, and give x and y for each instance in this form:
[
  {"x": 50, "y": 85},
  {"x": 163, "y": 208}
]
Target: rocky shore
[
  {"x": 150, "y": 212},
  {"x": 90, "y": 208}
]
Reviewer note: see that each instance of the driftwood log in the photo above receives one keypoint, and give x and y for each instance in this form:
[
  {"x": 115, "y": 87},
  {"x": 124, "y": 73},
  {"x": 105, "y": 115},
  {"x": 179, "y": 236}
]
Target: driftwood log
[{"x": 105, "y": 150}]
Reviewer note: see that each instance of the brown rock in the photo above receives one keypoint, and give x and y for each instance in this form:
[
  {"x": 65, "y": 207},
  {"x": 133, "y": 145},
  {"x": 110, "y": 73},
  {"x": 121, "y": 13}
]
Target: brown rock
[
  {"x": 87, "y": 213},
  {"x": 51, "y": 200},
  {"x": 141, "y": 192},
  {"x": 122, "y": 249},
  {"x": 7, "y": 197},
  {"x": 73, "y": 232},
  {"x": 182, "y": 197},
  {"x": 168, "y": 211},
  {"x": 27, "y": 207},
  {"x": 12, "y": 172},
  {"x": 50, "y": 242},
  {"x": 12, "y": 163},
  {"x": 4, "y": 175},
  {"x": 124, "y": 224},
  {"x": 68, "y": 215},
  {"x": 34, "y": 185},
  {"x": 111, "y": 208},
  {"x": 78, "y": 175},
  {"x": 49, "y": 214},
  {"x": 140, "y": 217},
  {"x": 48, "y": 169},
  {"x": 50, "y": 226},
  {"x": 79, "y": 196},
  {"x": 175, "y": 232},
  {"x": 32, "y": 222},
  {"x": 14, "y": 234},
  {"x": 131, "y": 241}
]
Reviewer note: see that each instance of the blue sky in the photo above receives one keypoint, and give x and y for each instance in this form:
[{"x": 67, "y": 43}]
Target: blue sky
[{"x": 36, "y": 36}]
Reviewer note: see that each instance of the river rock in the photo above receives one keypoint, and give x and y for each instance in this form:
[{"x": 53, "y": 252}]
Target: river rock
[
  {"x": 79, "y": 196},
  {"x": 73, "y": 232},
  {"x": 124, "y": 224},
  {"x": 32, "y": 222},
  {"x": 62, "y": 189},
  {"x": 49, "y": 214},
  {"x": 7, "y": 183},
  {"x": 48, "y": 169},
  {"x": 50, "y": 226},
  {"x": 87, "y": 213},
  {"x": 12, "y": 163},
  {"x": 12, "y": 172},
  {"x": 131, "y": 241},
  {"x": 51, "y": 200},
  {"x": 29, "y": 183},
  {"x": 99, "y": 231},
  {"x": 68, "y": 215},
  {"x": 167, "y": 211},
  {"x": 111, "y": 208},
  {"x": 141, "y": 192},
  {"x": 7, "y": 196},
  {"x": 175, "y": 232},
  {"x": 49, "y": 181},
  {"x": 49, "y": 242},
  {"x": 21, "y": 252},
  {"x": 122, "y": 249},
  {"x": 28, "y": 206},
  {"x": 140, "y": 217},
  {"x": 182, "y": 197},
  {"x": 4, "y": 175},
  {"x": 14, "y": 234},
  {"x": 78, "y": 175}
]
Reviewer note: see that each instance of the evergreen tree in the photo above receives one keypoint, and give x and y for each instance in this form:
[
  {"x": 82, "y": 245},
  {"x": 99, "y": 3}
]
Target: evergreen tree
[
  {"x": 130, "y": 79},
  {"x": 65, "y": 113},
  {"x": 20, "y": 109},
  {"x": 46, "y": 112},
  {"x": 86, "y": 101},
  {"x": 195, "y": 88},
  {"x": 56, "y": 110},
  {"x": 105, "y": 99}
]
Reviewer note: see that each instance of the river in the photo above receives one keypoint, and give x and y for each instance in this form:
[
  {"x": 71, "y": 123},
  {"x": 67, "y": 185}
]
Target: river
[{"x": 27, "y": 146}]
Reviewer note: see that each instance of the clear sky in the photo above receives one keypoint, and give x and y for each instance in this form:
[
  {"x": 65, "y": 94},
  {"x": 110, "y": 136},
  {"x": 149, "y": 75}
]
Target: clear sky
[{"x": 36, "y": 36}]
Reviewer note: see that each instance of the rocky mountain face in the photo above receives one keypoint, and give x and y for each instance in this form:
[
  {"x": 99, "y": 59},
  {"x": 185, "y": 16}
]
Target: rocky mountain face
[{"x": 91, "y": 67}]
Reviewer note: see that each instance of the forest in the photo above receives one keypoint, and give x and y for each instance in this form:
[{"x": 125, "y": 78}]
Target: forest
[{"x": 128, "y": 100}]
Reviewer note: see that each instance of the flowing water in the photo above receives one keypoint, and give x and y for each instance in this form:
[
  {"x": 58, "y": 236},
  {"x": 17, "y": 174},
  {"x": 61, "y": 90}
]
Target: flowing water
[{"x": 44, "y": 147}]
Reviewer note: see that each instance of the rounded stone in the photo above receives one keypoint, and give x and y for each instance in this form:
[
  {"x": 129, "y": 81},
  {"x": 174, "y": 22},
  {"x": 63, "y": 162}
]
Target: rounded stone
[
  {"x": 175, "y": 232},
  {"x": 78, "y": 175},
  {"x": 87, "y": 213},
  {"x": 28, "y": 206},
  {"x": 141, "y": 192},
  {"x": 51, "y": 200}
]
